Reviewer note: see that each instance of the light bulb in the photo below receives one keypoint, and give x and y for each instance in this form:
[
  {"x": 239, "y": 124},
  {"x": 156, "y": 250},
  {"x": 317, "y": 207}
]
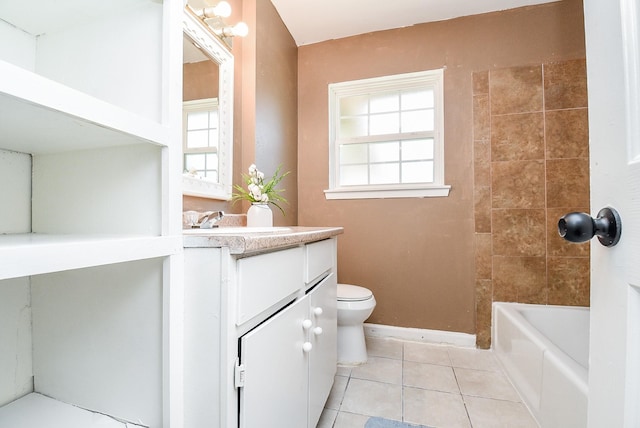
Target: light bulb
[
  {"x": 222, "y": 9},
  {"x": 240, "y": 29}
]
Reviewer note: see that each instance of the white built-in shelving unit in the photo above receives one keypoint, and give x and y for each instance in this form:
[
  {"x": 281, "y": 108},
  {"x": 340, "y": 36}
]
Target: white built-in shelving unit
[{"x": 90, "y": 201}]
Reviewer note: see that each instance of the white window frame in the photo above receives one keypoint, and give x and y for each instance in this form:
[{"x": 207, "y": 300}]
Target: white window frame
[
  {"x": 203, "y": 105},
  {"x": 432, "y": 79}
]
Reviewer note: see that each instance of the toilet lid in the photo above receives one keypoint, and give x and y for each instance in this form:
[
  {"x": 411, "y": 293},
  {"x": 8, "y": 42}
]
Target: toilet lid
[{"x": 348, "y": 292}]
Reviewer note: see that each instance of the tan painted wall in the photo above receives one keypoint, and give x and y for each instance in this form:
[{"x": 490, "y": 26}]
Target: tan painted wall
[
  {"x": 417, "y": 255},
  {"x": 199, "y": 80},
  {"x": 276, "y": 121}
]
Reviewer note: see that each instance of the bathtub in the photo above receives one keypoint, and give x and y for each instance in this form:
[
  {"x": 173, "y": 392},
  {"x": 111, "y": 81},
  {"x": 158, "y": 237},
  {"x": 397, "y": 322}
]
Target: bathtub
[{"x": 544, "y": 350}]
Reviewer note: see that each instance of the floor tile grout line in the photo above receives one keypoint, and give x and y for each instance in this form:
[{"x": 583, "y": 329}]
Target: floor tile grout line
[
  {"x": 464, "y": 403},
  {"x": 342, "y": 399}
]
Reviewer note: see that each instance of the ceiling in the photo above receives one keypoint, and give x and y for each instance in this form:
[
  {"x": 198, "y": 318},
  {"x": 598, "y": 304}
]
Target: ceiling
[{"x": 312, "y": 21}]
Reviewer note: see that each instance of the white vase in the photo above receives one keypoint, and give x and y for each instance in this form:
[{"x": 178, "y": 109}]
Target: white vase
[{"x": 259, "y": 215}]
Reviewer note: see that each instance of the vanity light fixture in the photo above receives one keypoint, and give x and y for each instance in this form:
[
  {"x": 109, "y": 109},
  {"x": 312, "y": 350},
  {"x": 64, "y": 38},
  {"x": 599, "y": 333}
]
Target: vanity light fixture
[{"x": 214, "y": 16}]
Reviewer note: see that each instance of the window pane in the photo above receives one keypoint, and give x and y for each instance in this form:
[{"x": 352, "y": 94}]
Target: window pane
[
  {"x": 385, "y": 124},
  {"x": 214, "y": 137},
  {"x": 386, "y": 173},
  {"x": 198, "y": 120},
  {"x": 431, "y": 121},
  {"x": 211, "y": 175},
  {"x": 197, "y": 139},
  {"x": 353, "y": 153},
  {"x": 417, "y": 149},
  {"x": 353, "y": 127},
  {"x": 384, "y": 152},
  {"x": 417, "y": 121},
  {"x": 382, "y": 103},
  {"x": 352, "y": 106},
  {"x": 211, "y": 171},
  {"x": 212, "y": 161},
  {"x": 352, "y": 175},
  {"x": 417, "y": 99},
  {"x": 194, "y": 161},
  {"x": 417, "y": 172},
  {"x": 213, "y": 119}
]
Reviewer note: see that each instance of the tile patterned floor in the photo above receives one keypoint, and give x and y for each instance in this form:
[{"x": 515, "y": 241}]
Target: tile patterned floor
[{"x": 424, "y": 384}]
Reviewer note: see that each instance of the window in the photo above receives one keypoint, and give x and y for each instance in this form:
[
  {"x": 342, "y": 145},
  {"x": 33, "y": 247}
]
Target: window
[
  {"x": 386, "y": 137},
  {"x": 201, "y": 138}
]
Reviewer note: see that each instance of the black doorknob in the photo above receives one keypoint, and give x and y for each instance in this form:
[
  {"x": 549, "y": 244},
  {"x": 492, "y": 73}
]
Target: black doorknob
[{"x": 581, "y": 227}]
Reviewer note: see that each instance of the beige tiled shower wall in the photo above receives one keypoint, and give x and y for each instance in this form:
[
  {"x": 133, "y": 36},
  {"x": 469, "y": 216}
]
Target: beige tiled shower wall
[{"x": 531, "y": 166}]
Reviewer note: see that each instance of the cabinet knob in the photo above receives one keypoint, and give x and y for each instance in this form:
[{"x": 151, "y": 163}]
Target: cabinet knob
[
  {"x": 307, "y": 347},
  {"x": 306, "y": 324},
  {"x": 317, "y": 311},
  {"x": 317, "y": 331}
]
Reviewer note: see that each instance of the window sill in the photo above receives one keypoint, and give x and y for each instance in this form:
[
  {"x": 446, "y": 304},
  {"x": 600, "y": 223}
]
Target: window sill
[{"x": 370, "y": 192}]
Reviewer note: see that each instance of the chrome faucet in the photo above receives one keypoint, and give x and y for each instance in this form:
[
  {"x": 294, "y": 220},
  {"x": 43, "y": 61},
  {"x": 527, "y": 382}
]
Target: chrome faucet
[{"x": 210, "y": 219}]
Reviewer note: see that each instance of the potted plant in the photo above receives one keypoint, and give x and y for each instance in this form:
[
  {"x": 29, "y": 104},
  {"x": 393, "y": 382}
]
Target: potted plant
[{"x": 261, "y": 194}]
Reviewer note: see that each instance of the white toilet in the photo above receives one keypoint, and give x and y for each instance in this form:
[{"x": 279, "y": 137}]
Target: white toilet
[{"x": 355, "y": 305}]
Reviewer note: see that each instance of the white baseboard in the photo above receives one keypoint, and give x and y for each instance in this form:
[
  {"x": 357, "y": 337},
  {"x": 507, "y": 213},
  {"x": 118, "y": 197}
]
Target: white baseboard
[{"x": 421, "y": 335}]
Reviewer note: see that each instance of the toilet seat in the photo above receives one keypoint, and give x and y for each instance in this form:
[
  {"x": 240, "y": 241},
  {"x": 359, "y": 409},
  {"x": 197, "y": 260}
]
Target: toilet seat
[{"x": 353, "y": 293}]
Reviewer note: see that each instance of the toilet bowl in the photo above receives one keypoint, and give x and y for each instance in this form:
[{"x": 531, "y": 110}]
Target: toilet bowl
[{"x": 355, "y": 305}]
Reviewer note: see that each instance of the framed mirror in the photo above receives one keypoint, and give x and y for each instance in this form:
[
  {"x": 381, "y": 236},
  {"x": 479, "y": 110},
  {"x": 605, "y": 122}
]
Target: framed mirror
[{"x": 207, "y": 112}]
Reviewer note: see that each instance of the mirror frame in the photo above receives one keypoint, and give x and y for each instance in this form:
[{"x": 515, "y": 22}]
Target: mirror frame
[{"x": 214, "y": 48}]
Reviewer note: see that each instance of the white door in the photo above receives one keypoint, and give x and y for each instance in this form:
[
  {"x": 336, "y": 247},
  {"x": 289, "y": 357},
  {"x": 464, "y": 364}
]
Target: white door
[
  {"x": 275, "y": 391},
  {"x": 613, "y": 67}
]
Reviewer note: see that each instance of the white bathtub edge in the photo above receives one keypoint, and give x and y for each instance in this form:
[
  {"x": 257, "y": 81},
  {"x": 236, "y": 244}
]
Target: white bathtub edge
[
  {"x": 526, "y": 382},
  {"x": 421, "y": 335},
  {"x": 561, "y": 397}
]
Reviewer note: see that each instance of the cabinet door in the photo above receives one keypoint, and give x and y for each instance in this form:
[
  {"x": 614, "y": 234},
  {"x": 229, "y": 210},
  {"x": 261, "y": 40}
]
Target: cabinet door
[
  {"x": 323, "y": 356},
  {"x": 275, "y": 381}
]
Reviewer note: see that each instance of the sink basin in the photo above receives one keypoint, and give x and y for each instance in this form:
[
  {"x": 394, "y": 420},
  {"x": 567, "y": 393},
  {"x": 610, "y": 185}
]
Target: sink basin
[{"x": 235, "y": 230}]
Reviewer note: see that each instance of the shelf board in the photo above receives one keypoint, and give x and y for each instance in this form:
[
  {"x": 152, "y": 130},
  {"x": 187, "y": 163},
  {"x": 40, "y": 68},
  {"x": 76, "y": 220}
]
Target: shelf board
[
  {"x": 35, "y": 411},
  {"x": 42, "y": 116},
  {"x": 34, "y": 254}
]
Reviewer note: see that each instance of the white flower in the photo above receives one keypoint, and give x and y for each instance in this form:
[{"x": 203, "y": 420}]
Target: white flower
[
  {"x": 260, "y": 175},
  {"x": 252, "y": 169},
  {"x": 255, "y": 191},
  {"x": 265, "y": 198}
]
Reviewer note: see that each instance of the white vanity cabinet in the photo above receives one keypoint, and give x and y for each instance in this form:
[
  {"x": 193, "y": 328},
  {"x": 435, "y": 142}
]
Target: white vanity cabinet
[
  {"x": 287, "y": 364},
  {"x": 261, "y": 335},
  {"x": 90, "y": 239}
]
